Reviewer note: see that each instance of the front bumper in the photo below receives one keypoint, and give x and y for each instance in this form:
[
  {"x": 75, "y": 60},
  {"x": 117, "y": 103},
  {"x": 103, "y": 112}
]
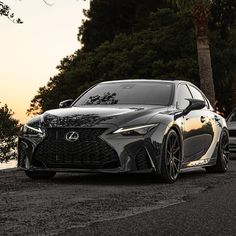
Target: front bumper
[
  {"x": 101, "y": 152},
  {"x": 104, "y": 171}
]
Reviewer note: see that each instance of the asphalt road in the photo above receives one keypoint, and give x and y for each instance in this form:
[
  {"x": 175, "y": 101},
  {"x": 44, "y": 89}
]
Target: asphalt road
[{"x": 130, "y": 204}]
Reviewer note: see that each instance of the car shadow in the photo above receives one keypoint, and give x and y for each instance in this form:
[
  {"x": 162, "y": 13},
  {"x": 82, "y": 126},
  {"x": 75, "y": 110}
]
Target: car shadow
[
  {"x": 105, "y": 179},
  {"x": 121, "y": 178},
  {"x": 192, "y": 173},
  {"x": 124, "y": 179}
]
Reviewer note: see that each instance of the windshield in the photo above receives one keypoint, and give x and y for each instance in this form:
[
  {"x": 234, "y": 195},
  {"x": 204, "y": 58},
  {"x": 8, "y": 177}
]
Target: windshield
[{"x": 140, "y": 93}]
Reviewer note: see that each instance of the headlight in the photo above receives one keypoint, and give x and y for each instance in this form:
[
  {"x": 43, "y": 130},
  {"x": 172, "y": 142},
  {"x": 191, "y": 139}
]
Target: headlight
[
  {"x": 26, "y": 129},
  {"x": 137, "y": 130}
]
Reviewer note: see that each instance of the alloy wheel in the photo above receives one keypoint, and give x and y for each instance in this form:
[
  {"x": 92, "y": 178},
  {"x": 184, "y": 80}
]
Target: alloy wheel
[
  {"x": 173, "y": 155},
  {"x": 225, "y": 150}
]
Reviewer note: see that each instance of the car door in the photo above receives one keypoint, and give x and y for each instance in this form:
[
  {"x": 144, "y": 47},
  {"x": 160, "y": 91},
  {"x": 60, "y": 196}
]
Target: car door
[
  {"x": 207, "y": 118},
  {"x": 195, "y": 142}
]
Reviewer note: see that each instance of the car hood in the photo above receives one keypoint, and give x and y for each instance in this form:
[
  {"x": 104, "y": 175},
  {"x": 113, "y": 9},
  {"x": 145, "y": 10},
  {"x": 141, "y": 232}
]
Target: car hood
[{"x": 89, "y": 116}]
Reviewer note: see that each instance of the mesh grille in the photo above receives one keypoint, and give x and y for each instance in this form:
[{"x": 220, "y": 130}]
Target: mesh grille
[
  {"x": 21, "y": 156},
  {"x": 142, "y": 160},
  {"x": 89, "y": 152},
  {"x": 232, "y": 133}
]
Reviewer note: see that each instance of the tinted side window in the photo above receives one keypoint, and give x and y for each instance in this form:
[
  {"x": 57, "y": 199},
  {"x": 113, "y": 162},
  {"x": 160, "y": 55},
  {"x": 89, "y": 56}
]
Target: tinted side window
[
  {"x": 183, "y": 94},
  {"x": 196, "y": 94}
]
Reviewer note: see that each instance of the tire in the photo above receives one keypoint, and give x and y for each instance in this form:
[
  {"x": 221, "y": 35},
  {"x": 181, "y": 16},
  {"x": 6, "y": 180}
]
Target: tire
[
  {"x": 40, "y": 174},
  {"x": 171, "y": 158},
  {"x": 222, "y": 162}
]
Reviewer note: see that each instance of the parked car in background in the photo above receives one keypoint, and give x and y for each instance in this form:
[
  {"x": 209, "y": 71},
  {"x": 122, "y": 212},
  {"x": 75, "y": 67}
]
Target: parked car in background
[
  {"x": 231, "y": 123},
  {"x": 127, "y": 125}
]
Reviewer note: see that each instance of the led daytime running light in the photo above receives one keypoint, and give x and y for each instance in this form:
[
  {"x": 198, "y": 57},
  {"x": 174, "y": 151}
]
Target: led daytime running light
[
  {"x": 34, "y": 129},
  {"x": 121, "y": 130}
]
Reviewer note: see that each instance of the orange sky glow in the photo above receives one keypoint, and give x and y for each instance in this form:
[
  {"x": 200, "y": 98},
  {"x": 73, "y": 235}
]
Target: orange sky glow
[{"x": 30, "y": 52}]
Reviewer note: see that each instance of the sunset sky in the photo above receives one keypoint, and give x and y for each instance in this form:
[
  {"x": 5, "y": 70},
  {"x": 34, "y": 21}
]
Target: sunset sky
[{"x": 30, "y": 52}]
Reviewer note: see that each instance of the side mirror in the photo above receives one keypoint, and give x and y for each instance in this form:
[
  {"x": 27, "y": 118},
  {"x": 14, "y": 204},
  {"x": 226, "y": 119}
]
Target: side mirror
[
  {"x": 194, "y": 104},
  {"x": 66, "y": 103}
]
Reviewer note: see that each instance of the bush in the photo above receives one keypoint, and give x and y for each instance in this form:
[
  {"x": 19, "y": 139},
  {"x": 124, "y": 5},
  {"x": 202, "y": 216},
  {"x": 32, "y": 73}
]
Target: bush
[{"x": 8, "y": 134}]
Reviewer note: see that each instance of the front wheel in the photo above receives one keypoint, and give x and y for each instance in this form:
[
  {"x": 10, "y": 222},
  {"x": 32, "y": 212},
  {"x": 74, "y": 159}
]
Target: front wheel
[
  {"x": 171, "y": 158},
  {"x": 222, "y": 162},
  {"x": 40, "y": 174}
]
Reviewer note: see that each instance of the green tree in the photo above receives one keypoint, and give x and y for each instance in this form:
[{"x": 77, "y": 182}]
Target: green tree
[
  {"x": 8, "y": 134},
  {"x": 223, "y": 51},
  {"x": 5, "y": 10},
  {"x": 163, "y": 46},
  {"x": 222, "y": 18},
  {"x": 165, "y": 49},
  {"x": 107, "y": 18}
]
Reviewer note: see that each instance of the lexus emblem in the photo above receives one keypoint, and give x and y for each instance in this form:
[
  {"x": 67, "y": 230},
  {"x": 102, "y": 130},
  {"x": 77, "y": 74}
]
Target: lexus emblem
[{"x": 72, "y": 136}]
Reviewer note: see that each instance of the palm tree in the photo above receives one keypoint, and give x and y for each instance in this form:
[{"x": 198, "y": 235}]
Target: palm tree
[{"x": 200, "y": 10}]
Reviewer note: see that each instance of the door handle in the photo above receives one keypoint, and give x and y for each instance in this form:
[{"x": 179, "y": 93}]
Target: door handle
[{"x": 203, "y": 119}]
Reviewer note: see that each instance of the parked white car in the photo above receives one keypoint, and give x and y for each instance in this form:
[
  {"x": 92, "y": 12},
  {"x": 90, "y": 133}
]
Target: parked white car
[{"x": 231, "y": 123}]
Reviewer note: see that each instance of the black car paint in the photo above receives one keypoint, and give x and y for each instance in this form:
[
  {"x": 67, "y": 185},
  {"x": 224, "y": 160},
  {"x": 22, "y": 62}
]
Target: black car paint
[{"x": 195, "y": 133}]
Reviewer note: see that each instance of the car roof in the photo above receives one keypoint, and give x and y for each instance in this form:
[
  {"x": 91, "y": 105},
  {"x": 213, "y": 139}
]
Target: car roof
[
  {"x": 145, "y": 80},
  {"x": 175, "y": 82}
]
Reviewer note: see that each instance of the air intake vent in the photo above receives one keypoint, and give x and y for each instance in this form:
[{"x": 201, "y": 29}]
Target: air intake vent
[{"x": 142, "y": 160}]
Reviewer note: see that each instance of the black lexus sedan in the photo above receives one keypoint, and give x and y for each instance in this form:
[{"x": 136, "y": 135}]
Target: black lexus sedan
[{"x": 128, "y": 125}]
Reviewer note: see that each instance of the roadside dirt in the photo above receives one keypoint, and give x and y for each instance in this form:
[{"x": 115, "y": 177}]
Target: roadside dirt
[{"x": 70, "y": 201}]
